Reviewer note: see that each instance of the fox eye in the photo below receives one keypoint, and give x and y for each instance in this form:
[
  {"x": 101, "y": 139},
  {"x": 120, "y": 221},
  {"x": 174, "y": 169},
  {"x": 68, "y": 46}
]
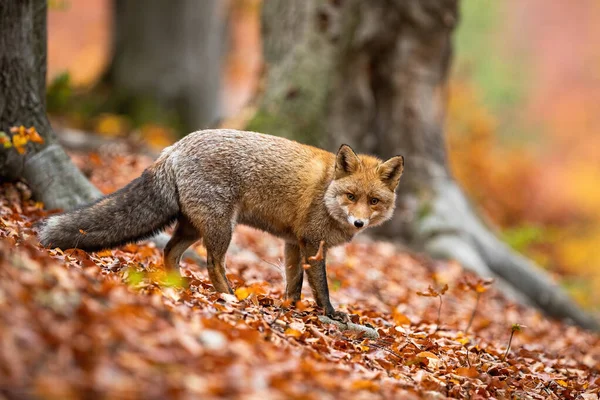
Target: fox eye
[
  {"x": 374, "y": 201},
  {"x": 351, "y": 197}
]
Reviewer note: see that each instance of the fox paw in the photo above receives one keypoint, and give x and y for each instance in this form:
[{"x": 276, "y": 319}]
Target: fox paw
[{"x": 339, "y": 316}]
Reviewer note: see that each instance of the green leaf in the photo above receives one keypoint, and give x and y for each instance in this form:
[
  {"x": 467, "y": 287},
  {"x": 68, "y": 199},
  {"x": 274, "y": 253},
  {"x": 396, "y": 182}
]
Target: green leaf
[{"x": 5, "y": 140}]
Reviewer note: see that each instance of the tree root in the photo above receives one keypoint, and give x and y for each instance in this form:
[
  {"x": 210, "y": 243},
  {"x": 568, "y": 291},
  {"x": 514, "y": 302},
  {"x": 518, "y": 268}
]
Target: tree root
[
  {"x": 452, "y": 230},
  {"x": 350, "y": 326}
]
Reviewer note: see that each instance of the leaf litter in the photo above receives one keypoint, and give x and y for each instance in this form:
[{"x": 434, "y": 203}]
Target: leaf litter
[{"x": 110, "y": 325}]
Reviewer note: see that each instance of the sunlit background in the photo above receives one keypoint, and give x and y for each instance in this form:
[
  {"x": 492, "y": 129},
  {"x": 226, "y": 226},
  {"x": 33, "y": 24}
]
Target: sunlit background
[{"x": 523, "y": 118}]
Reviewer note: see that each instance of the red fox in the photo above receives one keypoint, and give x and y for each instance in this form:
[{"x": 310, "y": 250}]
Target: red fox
[{"x": 210, "y": 180}]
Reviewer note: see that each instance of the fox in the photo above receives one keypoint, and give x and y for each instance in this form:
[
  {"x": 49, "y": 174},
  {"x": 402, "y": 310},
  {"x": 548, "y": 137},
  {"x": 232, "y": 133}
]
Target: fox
[{"x": 211, "y": 180}]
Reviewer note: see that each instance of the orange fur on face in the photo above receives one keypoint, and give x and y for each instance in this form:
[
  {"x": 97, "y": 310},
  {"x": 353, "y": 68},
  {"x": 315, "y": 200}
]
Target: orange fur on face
[{"x": 364, "y": 188}]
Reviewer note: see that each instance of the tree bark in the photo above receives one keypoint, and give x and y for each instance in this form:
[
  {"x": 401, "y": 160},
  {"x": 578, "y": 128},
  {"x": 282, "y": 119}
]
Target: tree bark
[
  {"x": 170, "y": 53},
  {"x": 373, "y": 74},
  {"x": 52, "y": 177}
]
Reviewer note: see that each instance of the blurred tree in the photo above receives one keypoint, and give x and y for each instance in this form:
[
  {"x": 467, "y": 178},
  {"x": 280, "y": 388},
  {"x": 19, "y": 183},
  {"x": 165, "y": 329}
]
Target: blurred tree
[
  {"x": 373, "y": 74},
  {"x": 46, "y": 167},
  {"x": 167, "y": 58}
]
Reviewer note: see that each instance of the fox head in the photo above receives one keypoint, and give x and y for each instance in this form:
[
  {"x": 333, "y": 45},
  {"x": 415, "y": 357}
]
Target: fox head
[{"x": 362, "y": 192}]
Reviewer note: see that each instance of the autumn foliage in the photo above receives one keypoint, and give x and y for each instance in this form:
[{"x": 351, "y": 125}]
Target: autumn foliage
[
  {"x": 545, "y": 204},
  {"x": 87, "y": 325},
  {"x": 19, "y": 137}
]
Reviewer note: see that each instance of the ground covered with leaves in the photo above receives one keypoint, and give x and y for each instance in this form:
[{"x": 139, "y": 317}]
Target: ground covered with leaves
[{"x": 109, "y": 325}]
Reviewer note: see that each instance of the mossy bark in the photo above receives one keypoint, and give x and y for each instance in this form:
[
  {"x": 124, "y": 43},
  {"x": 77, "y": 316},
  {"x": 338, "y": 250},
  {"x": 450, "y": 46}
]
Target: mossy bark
[{"x": 300, "y": 63}]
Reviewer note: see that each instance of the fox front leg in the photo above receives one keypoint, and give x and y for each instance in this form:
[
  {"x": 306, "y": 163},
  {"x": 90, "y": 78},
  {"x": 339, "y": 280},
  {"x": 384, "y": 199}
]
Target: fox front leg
[{"x": 317, "y": 278}]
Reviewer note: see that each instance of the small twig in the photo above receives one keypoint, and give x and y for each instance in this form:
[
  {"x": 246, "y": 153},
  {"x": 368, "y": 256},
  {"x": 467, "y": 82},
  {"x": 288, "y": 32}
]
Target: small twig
[
  {"x": 378, "y": 346},
  {"x": 318, "y": 334},
  {"x": 512, "y": 333},
  {"x": 468, "y": 361},
  {"x": 437, "y": 323},
  {"x": 273, "y": 264},
  {"x": 278, "y": 267},
  {"x": 513, "y": 329},
  {"x": 473, "y": 313},
  {"x": 276, "y": 317}
]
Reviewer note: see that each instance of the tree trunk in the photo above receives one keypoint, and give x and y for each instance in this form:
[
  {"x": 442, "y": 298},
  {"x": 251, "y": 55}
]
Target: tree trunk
[
  {"x": 170, "y": 53},
  {"x": 45, "y": 167},
  {"x": 373, "y": 74},
  {"x": 48, "y": 170}
]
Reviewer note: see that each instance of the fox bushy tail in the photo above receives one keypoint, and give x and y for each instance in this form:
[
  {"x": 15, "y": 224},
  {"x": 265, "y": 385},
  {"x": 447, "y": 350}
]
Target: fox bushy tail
[{"x": 141, "y": 209}]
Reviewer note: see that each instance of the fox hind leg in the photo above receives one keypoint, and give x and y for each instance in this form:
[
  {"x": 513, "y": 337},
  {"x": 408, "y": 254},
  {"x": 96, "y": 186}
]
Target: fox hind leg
[
  {"x": 294, "y": 273},
  {"x": 184, "y": 236},
  {"x": 217, "y": 236}
]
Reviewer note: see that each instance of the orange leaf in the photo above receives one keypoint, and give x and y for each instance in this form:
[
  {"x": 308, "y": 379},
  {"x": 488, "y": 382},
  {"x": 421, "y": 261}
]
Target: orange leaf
[
  {"x": 365, "y": 384},
  {"x": 431, "y": 292},
  {"x": 34, "y": 136},
  {"x": 400, "y": 319},
  {"x": 319, "y": 256},
  {"x": 468, "y": 372},
  {"x": 293, "y": 332}
]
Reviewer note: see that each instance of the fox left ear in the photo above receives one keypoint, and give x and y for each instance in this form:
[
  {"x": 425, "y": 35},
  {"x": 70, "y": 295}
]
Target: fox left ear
[
  {"x": 391, "y": 171},
  {"x": 346, "y": 162}
]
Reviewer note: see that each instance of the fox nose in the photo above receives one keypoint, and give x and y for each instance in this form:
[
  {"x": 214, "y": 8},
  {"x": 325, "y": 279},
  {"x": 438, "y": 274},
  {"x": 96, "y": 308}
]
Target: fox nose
[{"x": 358, "y": 223}]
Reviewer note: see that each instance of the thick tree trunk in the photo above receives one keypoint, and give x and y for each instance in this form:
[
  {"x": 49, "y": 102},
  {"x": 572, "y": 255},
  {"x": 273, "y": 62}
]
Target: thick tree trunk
[
  {"x": 48, "y": 170},
  {"x": 373, "y": 74},
  {"x": 170, "y": 52}
]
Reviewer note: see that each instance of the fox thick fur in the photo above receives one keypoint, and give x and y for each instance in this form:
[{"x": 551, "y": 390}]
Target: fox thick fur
[{"x": 210, "y": 180}]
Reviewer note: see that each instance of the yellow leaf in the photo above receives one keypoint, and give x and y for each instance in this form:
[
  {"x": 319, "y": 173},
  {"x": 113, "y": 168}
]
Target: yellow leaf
[
  {"x": 157, "y": 136},
  {"x": 19, "y": 141},
  {"x": 111, "y": 125},
  {"x": 242, "y": 292},
  {"x": 173, "y": 278},
  {"x": 562, "y": 383},
  {"x": 293, "y": 332},
  {"x": 463, "y": 340},
  {"x": 104, "y": 253},
  {"x": 427, "y": 354}
]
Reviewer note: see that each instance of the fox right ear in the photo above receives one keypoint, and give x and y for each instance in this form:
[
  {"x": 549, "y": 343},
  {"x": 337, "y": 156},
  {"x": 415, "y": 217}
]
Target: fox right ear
[
  {"x": 346, "y": 162},
  {"x": 391, "y": 171}
]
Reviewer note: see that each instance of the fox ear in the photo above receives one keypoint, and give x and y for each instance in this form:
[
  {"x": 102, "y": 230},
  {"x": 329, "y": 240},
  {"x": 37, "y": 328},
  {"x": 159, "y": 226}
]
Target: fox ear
[
  {"x": 346, "y": 162},
  {"x": 391, "y": 171}
]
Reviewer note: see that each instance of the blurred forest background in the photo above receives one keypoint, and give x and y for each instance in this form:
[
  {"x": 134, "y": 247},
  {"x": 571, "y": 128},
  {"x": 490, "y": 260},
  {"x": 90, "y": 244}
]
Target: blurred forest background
[{"x": 522, "y": 123}]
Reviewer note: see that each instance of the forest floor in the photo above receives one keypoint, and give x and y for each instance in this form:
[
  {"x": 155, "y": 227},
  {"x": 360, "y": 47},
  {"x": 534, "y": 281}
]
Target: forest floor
[{"x": 108, "y": 325}]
